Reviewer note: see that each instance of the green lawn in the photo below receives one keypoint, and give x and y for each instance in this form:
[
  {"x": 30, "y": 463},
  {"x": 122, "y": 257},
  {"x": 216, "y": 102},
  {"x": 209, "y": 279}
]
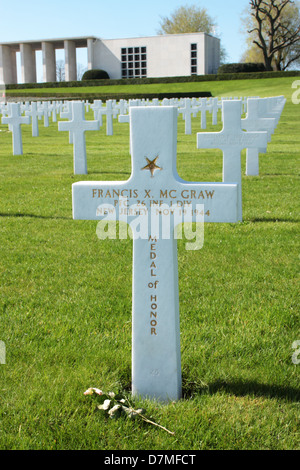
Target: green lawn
[
  {"x": 65, "y": 298},
  {"x": 265, "y": 87}
]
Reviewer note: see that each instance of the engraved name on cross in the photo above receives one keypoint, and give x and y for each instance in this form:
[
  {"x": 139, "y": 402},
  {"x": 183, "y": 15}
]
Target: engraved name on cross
[{"x": 154, "y": 182}]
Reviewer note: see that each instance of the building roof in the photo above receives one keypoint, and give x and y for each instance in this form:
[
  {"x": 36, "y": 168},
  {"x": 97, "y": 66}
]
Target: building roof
[{"x": 58, "y": 43}]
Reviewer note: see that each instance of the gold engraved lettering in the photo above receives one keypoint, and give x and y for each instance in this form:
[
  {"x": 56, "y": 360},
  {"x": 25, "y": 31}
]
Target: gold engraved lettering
[
  {"x": 209, "y": 194},
  {"x": 153, "y": 297},
  {"x": 183, "y": 193}
]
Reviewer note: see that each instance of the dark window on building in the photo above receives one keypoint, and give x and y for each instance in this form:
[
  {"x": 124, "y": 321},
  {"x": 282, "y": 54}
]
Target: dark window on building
[
  {"x": 194, "y": 59},
  {"x": 131, "y": 64}
]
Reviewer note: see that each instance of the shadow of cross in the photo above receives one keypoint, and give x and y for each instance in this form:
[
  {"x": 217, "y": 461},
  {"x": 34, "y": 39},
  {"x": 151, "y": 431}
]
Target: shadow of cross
[
  {"x": 154, "y": 191},
  {"x": 232, "y": 140}
]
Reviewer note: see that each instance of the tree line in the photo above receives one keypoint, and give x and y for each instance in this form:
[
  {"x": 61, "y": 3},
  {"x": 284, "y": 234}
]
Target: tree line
[{"x": 272, "y": 28}]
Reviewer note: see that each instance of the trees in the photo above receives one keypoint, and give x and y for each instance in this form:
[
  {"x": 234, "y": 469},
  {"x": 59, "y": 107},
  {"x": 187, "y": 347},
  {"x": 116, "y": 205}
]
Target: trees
[
  {"x": 190, "y": 19},
  {"x": 187, "y": 20},
  {"x": 274, "y": 28},
  {"x": 60, "y": 71}
]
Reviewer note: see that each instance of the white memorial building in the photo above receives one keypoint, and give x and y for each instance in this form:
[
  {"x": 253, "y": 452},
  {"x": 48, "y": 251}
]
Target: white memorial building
[{"x": 143, "y": 57}]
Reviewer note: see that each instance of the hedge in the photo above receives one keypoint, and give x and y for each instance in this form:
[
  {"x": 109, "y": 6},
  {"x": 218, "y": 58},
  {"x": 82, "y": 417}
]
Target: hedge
[
  {"x": 95, "y": 74},
  {"x": 250, "y": 67},
  {"x": 113, "y": 96},
  {"x": 147, "y": 81}
]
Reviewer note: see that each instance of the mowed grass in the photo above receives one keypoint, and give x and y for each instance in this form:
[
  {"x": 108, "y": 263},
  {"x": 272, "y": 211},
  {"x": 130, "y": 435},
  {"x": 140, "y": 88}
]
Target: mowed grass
[
  {"x": 65, "y": 299},
  {"x": 267, "y": 86}
]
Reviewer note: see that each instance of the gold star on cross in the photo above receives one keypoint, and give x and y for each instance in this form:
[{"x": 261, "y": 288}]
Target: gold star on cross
[{"x": 152, "y": 166}]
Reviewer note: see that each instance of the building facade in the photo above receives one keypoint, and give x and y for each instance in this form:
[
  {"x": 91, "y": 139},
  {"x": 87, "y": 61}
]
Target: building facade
[{"x": 144, "y": 57}]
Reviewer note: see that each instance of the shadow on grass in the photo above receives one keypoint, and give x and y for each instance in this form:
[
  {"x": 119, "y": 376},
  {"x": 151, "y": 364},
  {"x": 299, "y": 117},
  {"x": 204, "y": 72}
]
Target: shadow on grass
[
  {"x": 272, "y": 220},
  {"x": 241, "y": 389},
  {"x": 34, "y": 216},
  {"x": 125, "y": 173}
]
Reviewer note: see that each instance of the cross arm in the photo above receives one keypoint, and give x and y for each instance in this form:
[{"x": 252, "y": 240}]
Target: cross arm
[{"x": 218, "y": 201}]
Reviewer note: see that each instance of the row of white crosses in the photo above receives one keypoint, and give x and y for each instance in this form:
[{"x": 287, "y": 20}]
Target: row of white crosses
[
  {"x": 271, "y": 107},
  {"x": 156, "y": 358},
  {"x": 35, "y": 111}
]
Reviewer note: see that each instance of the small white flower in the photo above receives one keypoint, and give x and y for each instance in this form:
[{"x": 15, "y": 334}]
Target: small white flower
[
  {"x": 90, "y": 391},
  {"x": 113, "y": 410}
]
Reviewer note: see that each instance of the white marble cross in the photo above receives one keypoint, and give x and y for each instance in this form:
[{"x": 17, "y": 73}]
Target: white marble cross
[
  {"x": 96, "y": 107},
  {"x": 53, "y": 108},
  {"x": 44, "y": 107},
  {"x": 154, "y": 193},
  {"x": 67, "y": 114},
  {"x": 14, "y": 120},
  {"x": 109, "y": 112},
  {"x": 187, "y": 111},
  {"x": 232, "y": 140},
  {"x": 213, "y": 107},
  {"x": 254, "y": 121},
  {"x": 78, "y": 126},
  {"x": 272, "y": 107},
  {"x": 204, "y": 107},
  {"x": 34, "y": 113}
]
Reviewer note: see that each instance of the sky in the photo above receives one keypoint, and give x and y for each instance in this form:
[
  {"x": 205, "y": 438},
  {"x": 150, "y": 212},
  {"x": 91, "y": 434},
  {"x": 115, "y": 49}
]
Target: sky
[{"x": 22, "y": 20}]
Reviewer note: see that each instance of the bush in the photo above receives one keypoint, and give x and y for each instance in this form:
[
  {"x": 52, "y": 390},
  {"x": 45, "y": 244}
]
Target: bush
[
  {"x": 96, "y": 74},
  {"x": 242, "y": 68}
]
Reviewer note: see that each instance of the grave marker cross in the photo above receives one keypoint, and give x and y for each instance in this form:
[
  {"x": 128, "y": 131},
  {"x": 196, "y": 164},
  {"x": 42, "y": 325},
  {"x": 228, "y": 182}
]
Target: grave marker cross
[
  {"x": 78, "y": 126},
  {"x": 44, "y": 107},
  {"x": 34, "y": 113},
  {"x": 14, "y": 120},
  {"x": 187, "y": 110},
  {"x": 232, "y": 140},
  {"x": 67, "y": 114},
  {"x": 254, "y": 122},
  {"x": 109, "y": 112},
  {"x": 154, "y": 185}
]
